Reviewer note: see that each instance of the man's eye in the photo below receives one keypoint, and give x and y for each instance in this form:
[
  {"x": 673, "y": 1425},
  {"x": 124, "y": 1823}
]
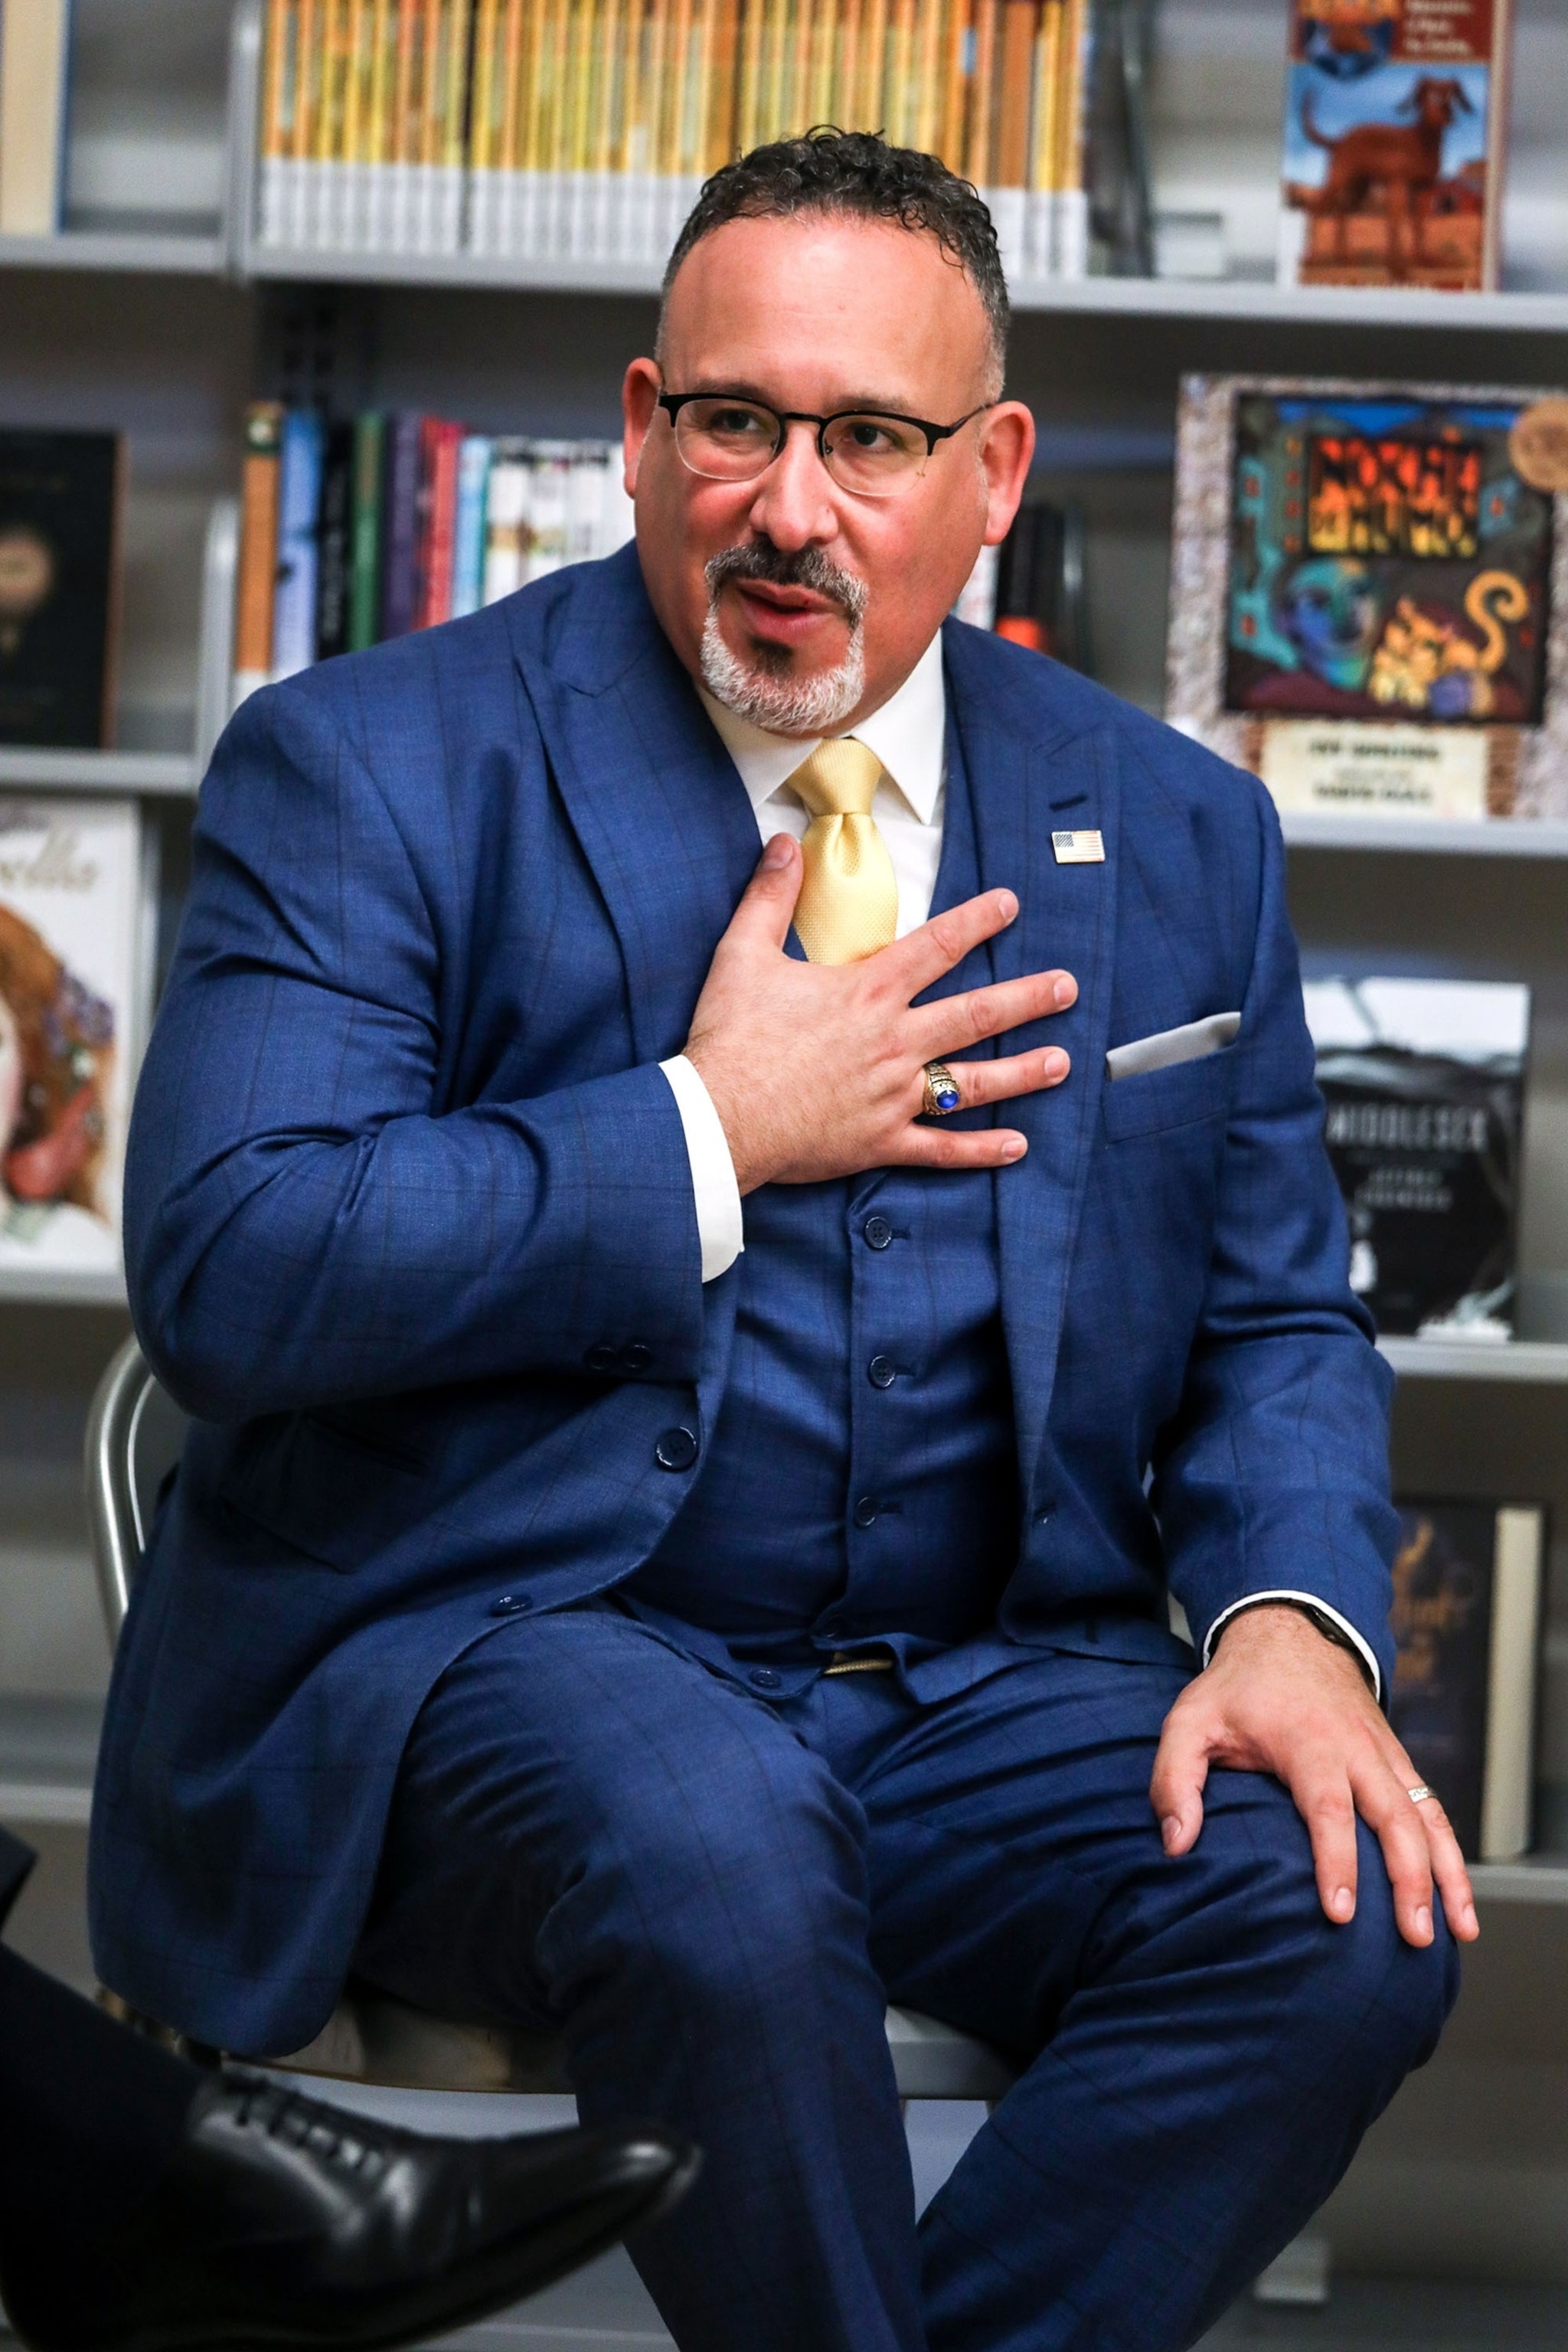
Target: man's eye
[
  {"x": 864, "y": 434},
  {"x": 734, "y": 424}
]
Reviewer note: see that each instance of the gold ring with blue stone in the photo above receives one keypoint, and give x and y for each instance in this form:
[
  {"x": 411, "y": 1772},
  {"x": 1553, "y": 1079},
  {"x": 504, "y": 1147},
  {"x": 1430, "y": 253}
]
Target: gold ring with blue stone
[{"x": 941, "y": 1094}]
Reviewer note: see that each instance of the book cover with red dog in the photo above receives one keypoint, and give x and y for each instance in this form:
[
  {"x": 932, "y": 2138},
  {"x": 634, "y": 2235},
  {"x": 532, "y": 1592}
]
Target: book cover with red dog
[{"x": 1395, "y": 115}]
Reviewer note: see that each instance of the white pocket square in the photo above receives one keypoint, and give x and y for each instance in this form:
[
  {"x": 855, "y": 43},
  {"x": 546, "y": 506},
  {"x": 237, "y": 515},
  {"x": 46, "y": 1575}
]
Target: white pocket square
[{"x": 1190, "y": 1042}]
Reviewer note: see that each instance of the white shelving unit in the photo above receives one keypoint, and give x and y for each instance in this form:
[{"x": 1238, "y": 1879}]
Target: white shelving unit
[
  {"x": 107, "y": 250},
  {"x": 155, "y": 773},
  {"x": 1534, "y": 1360}
]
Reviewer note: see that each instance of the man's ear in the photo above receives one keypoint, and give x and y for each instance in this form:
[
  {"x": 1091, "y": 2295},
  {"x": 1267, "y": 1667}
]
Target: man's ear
[
  {"x": 1006, "y": 448},
  {"x": 639, "y": 396}
]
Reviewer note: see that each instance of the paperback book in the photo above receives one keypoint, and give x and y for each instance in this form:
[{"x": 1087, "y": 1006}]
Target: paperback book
[
  {"x": 1424, "y": 1084},
  {"x": 61, "y": 496},
  {"x": 1465, "y": 1623},
  {"x": 1396, "y": 118},
  {"x": 1370, "y": 593},
  {"x": 73, "y": 939}
]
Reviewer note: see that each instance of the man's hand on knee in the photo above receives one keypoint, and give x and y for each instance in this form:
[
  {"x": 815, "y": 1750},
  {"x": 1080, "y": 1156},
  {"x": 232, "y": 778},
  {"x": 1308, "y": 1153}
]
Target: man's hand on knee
[{"x": 1276, "y": 1697}]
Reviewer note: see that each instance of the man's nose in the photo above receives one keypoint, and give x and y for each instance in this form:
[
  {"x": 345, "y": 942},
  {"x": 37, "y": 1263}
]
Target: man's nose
[{"x": 793, "y": 505}]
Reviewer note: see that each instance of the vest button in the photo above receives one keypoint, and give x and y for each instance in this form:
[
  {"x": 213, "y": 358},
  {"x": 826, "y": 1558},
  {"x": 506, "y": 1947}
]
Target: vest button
[
  {"x": 878, "y": 1233},
  {"x": 882, "y": 1371},
  {"x": 764, "y": 1678},
  {"x": 511, "y": 1604},
  {"x": 676, "y": 1449},
  {"x": 601, "y": 1360},
  {"x": 636, "y": 1357},
  {"x": 866, "y": 1511}
]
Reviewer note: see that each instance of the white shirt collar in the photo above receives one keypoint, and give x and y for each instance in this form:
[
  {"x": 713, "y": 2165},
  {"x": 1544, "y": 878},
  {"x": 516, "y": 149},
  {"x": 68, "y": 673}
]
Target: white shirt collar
[{"x": 907, "y": 733}]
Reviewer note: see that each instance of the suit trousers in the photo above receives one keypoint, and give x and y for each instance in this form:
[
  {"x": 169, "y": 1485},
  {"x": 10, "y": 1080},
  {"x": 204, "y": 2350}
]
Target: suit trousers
[{"x": 714, "y": 1896}]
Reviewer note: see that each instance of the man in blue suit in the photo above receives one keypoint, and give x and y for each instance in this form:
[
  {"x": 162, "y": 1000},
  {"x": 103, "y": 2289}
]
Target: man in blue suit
[{"x": 711, "y": 1375}]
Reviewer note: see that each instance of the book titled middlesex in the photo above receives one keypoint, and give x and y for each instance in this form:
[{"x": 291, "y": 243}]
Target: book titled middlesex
[{"x": 1396, "y": 118}]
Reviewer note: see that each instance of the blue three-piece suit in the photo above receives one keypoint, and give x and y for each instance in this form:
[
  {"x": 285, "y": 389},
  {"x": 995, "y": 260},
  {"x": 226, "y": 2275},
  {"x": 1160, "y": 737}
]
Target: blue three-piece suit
[{"x": 477, "y": 1653}]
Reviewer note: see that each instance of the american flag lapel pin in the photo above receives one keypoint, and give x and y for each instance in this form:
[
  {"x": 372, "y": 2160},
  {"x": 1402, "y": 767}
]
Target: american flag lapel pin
[{"x": 1079, "y": 848}]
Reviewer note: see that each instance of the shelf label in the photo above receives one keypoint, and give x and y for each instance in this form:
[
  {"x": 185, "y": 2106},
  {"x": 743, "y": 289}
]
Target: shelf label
[{"x": 1329, "y": 769}]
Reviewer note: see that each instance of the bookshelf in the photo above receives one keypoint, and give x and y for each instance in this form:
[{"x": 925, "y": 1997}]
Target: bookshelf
[
  {"x": 156, "y": 774},
  {"x": 167, "y": 319}
]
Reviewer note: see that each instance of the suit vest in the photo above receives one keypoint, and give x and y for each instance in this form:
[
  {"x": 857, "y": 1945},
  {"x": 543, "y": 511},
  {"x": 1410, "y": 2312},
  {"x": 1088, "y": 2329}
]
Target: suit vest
[{"x": 861, "y": 1478}]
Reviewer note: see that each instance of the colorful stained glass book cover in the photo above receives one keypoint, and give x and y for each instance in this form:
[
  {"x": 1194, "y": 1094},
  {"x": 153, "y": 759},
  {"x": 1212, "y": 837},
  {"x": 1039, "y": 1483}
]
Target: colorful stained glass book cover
[
  {"x": 1395, "y": 121},
  {"x": 1368, "y": 593},
  {"x": 1387, "y": 561}
]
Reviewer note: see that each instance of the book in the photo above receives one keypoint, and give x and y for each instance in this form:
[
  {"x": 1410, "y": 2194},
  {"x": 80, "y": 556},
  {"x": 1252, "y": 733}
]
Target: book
[
  {"x": 399, "y": 595},
  {"x": 35, "y": 59},
  {"x": 299, "y": 510},
  {"x": 74, "y": 933},
  {"x": 1424, "y": 1086},
  {"x": 468, "y": 538},
  {"x": 1466, "y": 1622},
  {"x": 334, "y": 538},
  {"x": 257, "y": 577},
  {"x": 1041, "y": 592},
  {"x": 1364, "y": 579},
  {"x": 439, "y": 444},
  {"x": 364, "y": 581},
  {"x": 61, "y": 503},
  {"x": 1395, "y": 120}
]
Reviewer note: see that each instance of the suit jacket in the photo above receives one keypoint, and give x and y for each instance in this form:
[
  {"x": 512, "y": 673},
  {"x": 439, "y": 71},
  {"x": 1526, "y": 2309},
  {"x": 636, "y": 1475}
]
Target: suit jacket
[{"x": 410, "y": 1231}]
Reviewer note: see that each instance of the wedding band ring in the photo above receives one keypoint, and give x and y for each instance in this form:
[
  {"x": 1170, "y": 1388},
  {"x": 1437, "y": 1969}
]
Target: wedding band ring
[
  {"x": 1419, "y": 1796},
  {"x": 941, "y": 1094}
]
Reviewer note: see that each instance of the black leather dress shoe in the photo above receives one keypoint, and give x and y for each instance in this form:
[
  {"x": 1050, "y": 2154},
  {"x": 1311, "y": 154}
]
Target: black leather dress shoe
[{"x": 281, "y": 2222}]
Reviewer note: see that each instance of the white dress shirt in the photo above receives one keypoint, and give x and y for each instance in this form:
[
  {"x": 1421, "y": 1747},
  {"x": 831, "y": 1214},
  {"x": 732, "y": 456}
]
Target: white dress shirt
[{"x": 909, "y": 735}]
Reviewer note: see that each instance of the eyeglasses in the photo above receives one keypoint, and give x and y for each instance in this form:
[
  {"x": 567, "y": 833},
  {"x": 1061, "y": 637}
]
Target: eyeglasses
[{"x": 874, "y": 453}]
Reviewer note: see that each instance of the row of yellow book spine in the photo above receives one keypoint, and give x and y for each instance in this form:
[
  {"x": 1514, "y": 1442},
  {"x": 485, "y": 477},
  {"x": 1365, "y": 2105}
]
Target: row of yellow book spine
[{"x": 401, "y": 123}]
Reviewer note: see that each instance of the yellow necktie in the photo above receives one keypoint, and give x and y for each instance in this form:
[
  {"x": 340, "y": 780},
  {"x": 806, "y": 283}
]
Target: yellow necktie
[{"x": 848, "y": 905}]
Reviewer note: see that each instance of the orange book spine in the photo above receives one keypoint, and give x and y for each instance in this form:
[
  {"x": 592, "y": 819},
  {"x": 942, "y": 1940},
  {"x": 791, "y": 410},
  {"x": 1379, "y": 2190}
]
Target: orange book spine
[
  {"x": 257, "y": 573},
  {"x": 979, "y": 127},
  {"x": 1015, "y": 79},
  {"x": 960, "y": 29}
]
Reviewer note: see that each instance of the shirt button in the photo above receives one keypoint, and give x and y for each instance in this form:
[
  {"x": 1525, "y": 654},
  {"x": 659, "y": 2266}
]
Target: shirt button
[
  {"x": 601, "y": 1360},
  {"x": 636, "y": 1358},
  {"x": 882, "y": 1371},
  {"x": 865, "y": 1512},
  {"x": 878, "y": 1233},
  {"x": 764, "y": 1678},
  {"x": 511, "y": 1604},
  {"x": 676, "y": 1449}
]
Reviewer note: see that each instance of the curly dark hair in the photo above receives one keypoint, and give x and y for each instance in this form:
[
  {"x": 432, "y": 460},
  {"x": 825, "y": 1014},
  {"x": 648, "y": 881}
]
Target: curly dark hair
[{"x": 832, "y": 171}]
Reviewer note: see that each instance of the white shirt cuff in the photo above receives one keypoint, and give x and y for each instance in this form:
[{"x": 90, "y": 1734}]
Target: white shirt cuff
[
  {"x": 1312, "y": 1600},
  {"x": 714, "y": 1190}
]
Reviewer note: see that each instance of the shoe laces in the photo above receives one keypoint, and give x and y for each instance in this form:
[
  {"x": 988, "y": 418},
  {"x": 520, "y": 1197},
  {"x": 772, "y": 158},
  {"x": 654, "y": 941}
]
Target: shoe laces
[{"x": 300, "y": 2123}]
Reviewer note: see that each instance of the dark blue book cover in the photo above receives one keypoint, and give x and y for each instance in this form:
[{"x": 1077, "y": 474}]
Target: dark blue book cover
[
  {"x": 400, "y": 525},
  {"x": 1465, "y": 1625}
]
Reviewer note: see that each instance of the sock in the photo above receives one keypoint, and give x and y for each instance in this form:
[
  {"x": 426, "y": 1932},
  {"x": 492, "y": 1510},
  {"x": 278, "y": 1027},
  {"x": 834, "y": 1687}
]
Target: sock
[{"x": 89, "y": 2112}]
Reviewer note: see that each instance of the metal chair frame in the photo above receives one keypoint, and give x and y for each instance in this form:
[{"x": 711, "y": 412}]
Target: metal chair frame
[{"x": 374, "y": 2038}]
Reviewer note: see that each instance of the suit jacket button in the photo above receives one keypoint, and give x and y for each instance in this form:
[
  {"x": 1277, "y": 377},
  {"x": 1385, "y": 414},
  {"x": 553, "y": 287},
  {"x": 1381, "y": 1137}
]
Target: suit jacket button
[
  {"x": 764, "y": 1678},
  {"x": 636, "y": 1358},
  {"x": 866, "y": 1511},
  {"x": 882, "y": 1371},
  {"x": 511, "y": 1604},
  {"x": 602, "y": 1359},
  {"x": 676, "y": 1449},
  {"x": 878, "y": 1233}
]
